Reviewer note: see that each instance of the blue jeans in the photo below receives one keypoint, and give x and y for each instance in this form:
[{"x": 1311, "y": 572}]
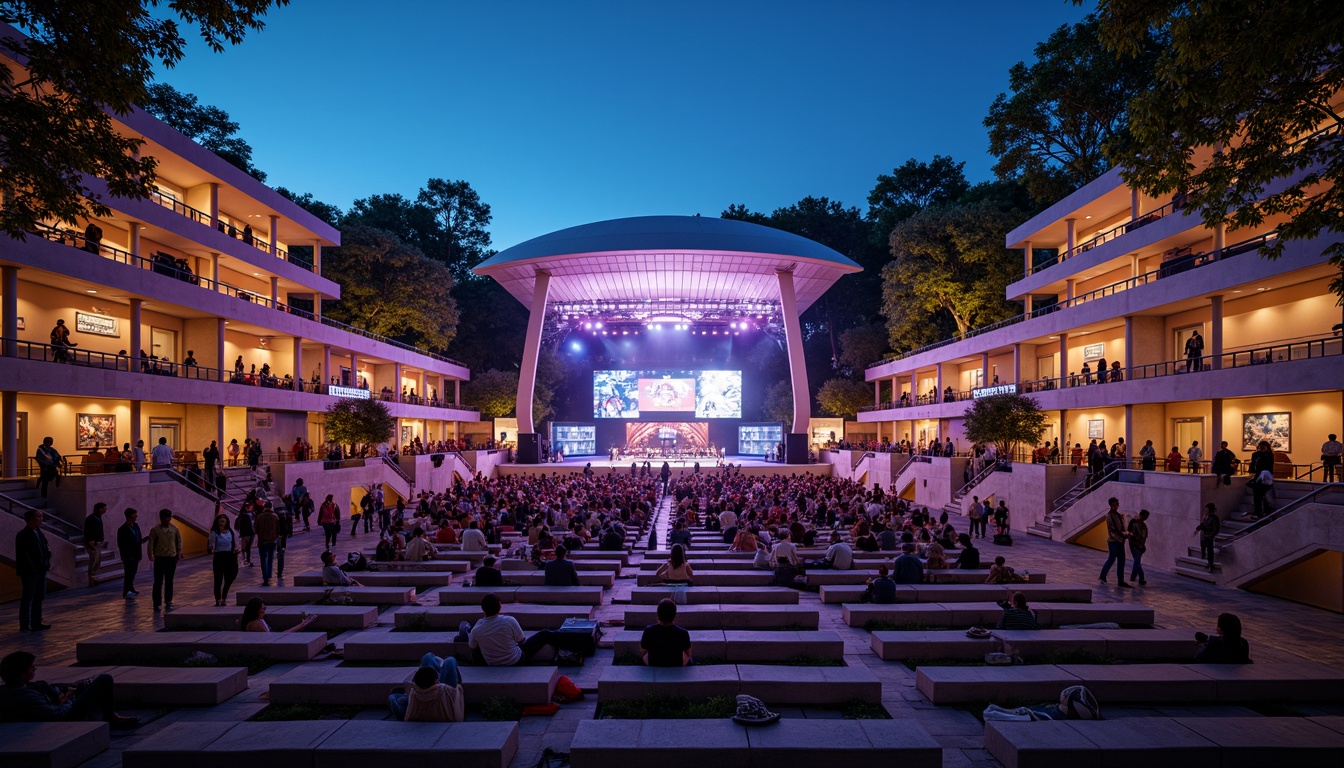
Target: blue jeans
[
  {"x": 1116, "y": 554},
  {"x": 1136, "y": 572},
  {"x": 30, "y": 604},
  {"x": 447, "y": 668},
  {"x": 267, "y": 554}
]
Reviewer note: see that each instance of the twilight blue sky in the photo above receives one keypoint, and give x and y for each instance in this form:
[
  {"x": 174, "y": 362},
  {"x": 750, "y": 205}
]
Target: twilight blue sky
[{"x": 561, "y": 113}]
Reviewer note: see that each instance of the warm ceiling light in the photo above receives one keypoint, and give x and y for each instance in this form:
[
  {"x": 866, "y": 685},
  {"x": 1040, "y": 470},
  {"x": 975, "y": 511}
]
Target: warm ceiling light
[
  {"x": 256, "y": 274},
  {"x": 1087, "y": 217},
  {"x": 89, "y": 290}
]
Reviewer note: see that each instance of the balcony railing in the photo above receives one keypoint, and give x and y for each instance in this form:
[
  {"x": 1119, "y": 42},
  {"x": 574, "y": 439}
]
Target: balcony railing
[
  {"x": 1181, "y": 263},
  {"x": 1109, "y": 235},
  {"x": 201, "y": 217},
  {"x": 179, "y": 207}
]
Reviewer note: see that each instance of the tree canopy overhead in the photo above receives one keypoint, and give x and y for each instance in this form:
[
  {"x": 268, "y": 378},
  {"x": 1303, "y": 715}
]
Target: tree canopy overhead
[
  {"x": 844, "y": 397},
  {"x": 211, "y": 127},
  {"x": 356, "y": 423},
  {"x": 1257, "y": 81},
  {"x": 85, "y": 57},
  {"x": 1005, "y": 421}
]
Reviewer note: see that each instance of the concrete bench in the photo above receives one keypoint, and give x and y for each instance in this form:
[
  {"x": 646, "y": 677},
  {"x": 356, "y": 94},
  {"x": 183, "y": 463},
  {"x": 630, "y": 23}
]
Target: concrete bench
[
  {"x": 958, "y": 593},
  {"x": 121, "y": 647},
  {"x": 716, "y": 595},
  {"x": 749, "y": 578},
  {"x": 612, "y": 566},
  {"x": 713, "y": 743},
  {"x": 933, "y": 644},
  {"x": 729, "y": 616},
  {"x": 1135, "y": 683},
  {"x": 1186, "y": 741},
  {"x": 746, "y": 647},
  {"x": 1128, "y": 644},
  {"x": 775, "y": 685},
  {"x": 51, "y": 745},
  {"x": 305, "y": 595},
  {"x": 325, "y": 744},
  {"x": 383, "y": 645},
  {"x": 605, "y": 579},
  {"x": 857, "y": 576},
  {"x": 534, "y": 595},
  {"x": 958, "y": 576},
  {"x": 329, "y": 617},
  {"x": 383, "y": 579},
  {"x": 431, "y": 566},
  {"x": 449, "y": 616},
  {"x": 369, "y": 686},
  {"x": 453, "y": 556},
  {"x": 965, "y": 615},
  {"x": 160, "y": 686}
]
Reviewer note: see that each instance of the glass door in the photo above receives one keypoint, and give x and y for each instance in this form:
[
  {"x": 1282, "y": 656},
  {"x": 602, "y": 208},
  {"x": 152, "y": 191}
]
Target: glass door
[
  {"x": 168, "y": 429},
  {"x": 1187, "y": 431},
  {"x": 163, "y": 344}
]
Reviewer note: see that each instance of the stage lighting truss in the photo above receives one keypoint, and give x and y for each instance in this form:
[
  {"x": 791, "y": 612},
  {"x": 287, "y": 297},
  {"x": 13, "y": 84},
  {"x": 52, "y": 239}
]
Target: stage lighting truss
[{"x": 668, "y": 316}]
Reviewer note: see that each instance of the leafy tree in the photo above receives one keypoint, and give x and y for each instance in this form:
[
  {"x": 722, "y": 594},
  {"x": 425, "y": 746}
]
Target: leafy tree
[
  {"x": 88, "y": 61},
  {"x": 1064, "y": 107},
  {"x": 463, "y": 225},
  {"x": 390, "y": 288},
  {"x": 862, "y": 346},
  {"x": 1257, "y": 80},
  {"x": 844, "y": 397},
  {"x": 490, "y": 327},
  {"x": 778, "y": 405},
  {"x": 494, "y": 392},
  {"x": 322, "y": 210},
  {"x": 949, "y": 260},
  {"x": 413, "y": 223},
  {"x": 209, "y": 126},
  {"x": 909, "y": 189},
  {"x": 357, "y": 423},
  {"x": 1005, "y": 421}
]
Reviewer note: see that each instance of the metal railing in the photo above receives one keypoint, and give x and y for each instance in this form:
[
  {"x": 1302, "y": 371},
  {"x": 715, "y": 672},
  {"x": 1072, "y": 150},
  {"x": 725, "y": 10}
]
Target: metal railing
[
  {"x": 1334, "y": 492},
  {"x": 179, "y": 207},
  {"x": 201, "y": 217},
  {"x": 1108, "y": 235},
  {"x": 52, "y": 524}
]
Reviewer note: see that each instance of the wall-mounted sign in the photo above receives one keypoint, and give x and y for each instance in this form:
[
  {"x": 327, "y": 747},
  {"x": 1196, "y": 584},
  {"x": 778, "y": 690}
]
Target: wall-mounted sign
[
  {"x": 23, "y": 325},
  {"x": 1094, "y": 351},
  {"x": 350, "y": 392},
  {"x": 100, "y": 325},
  {"x": 1001, "y": 389}
]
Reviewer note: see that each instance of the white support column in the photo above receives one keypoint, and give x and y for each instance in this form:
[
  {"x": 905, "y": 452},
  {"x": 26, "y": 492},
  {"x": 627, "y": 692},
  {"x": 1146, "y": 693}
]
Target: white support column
[
  {"x": 317, "y": 257},
  {"x": 1215, "y": 427},
  {"x": 457, "y": 399},
  {"x": 9, "y": 433},
  {"x": 274, "y": 235},
  {"x": 136, "y": 341},
  {"x": 214, "y": 210},
  {"x": 793, "y": 340},
  {"x": 317, "y": 307},
  {"x": 298, "y": 363},
  {"x": 219, "y": 350},
  {"x": 1063, "y": 360},
  {"x": 135, "y": 238},
  {"x": 1134, "y": 265},
  {"x": 214, "y": 270},
  {"x": 354, "y": 370},
  {"x": 1068, "y": 289},
  {"x": 1129, "y": 432},
  {"x": 1073, "y": 237},
  {"x": 938, "y": 382},
  {"x": 984, "y": 369},
  {"x": 1017, "y": 365},
  {"x": 527, "y": 372},
  {"x": 1134, "y": 204},
  {"x": 1026, "y": 259},
  {"x": 396, "y": 381},
  {"x": 1129, "y": 348},
  {"x": 136, "y": 432},
  {"x": 423, "y": 394},
  {"x": 1065, "y": 441},
  {"x": 877, "y": 393},
  {"x": 9, "y": 310},
  {"x": 275, "y": 291},
  {"x": 1219, "y": 236},
  {"x": 219, "y": 427},
  {"x": 1216, "y": 331},
  {"x": 324, "y": 377}
]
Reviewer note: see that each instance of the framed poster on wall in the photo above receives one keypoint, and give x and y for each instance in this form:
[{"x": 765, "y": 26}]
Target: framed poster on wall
[
  {"x": 1096, "y": 429},
  {"x": 95, "y": 430},
  {"x": 1277, "y": 428}
]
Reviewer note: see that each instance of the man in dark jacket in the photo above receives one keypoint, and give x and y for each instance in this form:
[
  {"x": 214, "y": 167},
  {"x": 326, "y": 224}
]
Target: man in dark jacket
[
  {"x": 1224, "y": 464},
  {"x": 129, "y": 547},
  {"x": 94, "y": 540},
  {"x": 488, "y": 575},
  {"x": 560, "y": 572},
  {"x": 32, "y": 560}
]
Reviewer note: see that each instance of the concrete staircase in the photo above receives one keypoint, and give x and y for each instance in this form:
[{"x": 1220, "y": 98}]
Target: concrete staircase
[
  {"x": 1238, "y": 524},
  {"x": 953, "y": 508},
  {"x": 1054, "y": 519}
]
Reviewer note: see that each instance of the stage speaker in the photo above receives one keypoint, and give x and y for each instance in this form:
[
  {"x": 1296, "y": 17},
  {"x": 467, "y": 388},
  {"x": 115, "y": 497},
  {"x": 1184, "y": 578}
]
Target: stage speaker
[
  {"x": 795, "y": 448},
  {"x": 529, "y": 448}
]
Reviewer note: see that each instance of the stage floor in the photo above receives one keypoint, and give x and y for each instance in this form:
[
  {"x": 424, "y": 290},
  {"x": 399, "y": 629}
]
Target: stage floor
[{"x": 601, "y": 464}]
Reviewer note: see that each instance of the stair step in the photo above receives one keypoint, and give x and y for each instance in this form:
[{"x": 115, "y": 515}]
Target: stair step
[
  {"x": 1196, "y": 563},
  {"x": 1197, "y": 573},
  {"x": 1034, "y": 531}
]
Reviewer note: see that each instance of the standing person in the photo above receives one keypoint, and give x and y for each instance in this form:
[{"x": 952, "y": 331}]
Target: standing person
[
  {"x": 1148, "y": 457},
  {"x": 32, "y": 561},
  {"x": 247, "y": 532},
  {"x": 162, "y": 455},
  {"x": 1001, "y": 518},
  {"x": 222, "y": 544},
  {"x": 1331, "y": 452},
  {"x": 94, "y": 539},
  {"x": 286, "y": 529},
  {"x": 1224, "y": 464},
  {"x": 1115, "y": 544},
  {"x": 1208, "y": 529},
  {"x": 1262, "y": 477},
  {"x": 297, "y": 495},
  {"x": 1138, "y": 544},
  {"x": 48, "y": 465},
  {"x": 254, "y": 455},
  {"x": 1174, "y": 460},
  {"x": 359, "y": 512},
  {"x": 129, "y": 541},
  {"x": 268, "y": 534},
  {"x": 165, "y": 547},
  {"x": 975, "y": 513},
  {"x": 1194, "y": 350},
  {"x": 1193, "y": 456},
  {"x": 233, "y": 449},
  {"x": 329, "y": 517},
  {"x": 211, "y": 457},
  {"x": 138, "y": 456}
]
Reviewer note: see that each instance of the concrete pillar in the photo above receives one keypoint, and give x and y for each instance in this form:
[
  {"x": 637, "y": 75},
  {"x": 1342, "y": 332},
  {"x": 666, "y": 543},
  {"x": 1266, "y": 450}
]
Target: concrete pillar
[
  {"x": 1134, "y": 265},
  {"x": 275, "y": 231},
  {"x": 136, "y": 431},
  {"x": 938, "y": 383},
  {"x": 1068, "y": 290},
  {"x": 317, "y": 307},
  {"x": 354, "y": 370},
  {"x": 275, "y": 290},
  {"x": 317, "y": 257},
  {"x": 984, "y": 369},
  {"x": 9, "y": 433},
  {"x": 1073, "y": 236},
  {"x": 1129, "y": 347},
  {"x": 422, "y": 391},
  {"x": 1216, "y": 331},
  {"x": 135, "y": 239},
  {"x": 1063, "y": 360},
  {"x": 219, "y": 427},
  {"x": 9, "y": 310},
  {"x": 396, "y": 381},
  {"x": 1219, "y": 236},
  {"x": 298, "y": 359},
  {"x": 527, "y": 371},
  {"x": 136, "y": 341},
  {"x": 1065, "y": 439},
  {"x": 457, "y": 399},
  {"x": 214, "y": 270},
  {"x": 1017, "y": 364},
  {"x": 214, "y": 210},
  {"x": 219, "y": 349},
  {"x": 1134, "y": 208},
  {"x": 793, "y": 339},
  {"x": 1215, "y": 427},
  {"x": 1130, "y": 450},
  {"x": 325, "y": 377},
  {"x": 1026, "y": 259},
  {"x": 877, "y": 393}
]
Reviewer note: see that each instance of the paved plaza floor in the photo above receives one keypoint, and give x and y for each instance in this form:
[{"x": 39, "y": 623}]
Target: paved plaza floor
[{"x": 1277, "y": 630}]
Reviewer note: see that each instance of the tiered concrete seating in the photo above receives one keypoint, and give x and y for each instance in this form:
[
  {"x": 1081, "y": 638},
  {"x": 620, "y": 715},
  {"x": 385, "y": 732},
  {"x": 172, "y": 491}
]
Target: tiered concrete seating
[
  {"x": 51, "y": 745},
  {"x": 729, "y": 616},
  {"x": 965, "y": 615},
  {"x": 716, "y": 595},
  {"x": 160, "y": 686},
  {"x": 449, "y": 616},
  {"x": 121, "y": 647},
  {"x": 612, "y": 566},
  {"x": 326, "y": 744},
  {"x": 1128, "y": 644},
  {"x": 383, "y": 578},
  {"x": 794, "y": 744},
  {"x": 747, "y": 647},
  {"x": 281, "y": 617},
  {"x": 453, "y": 566},
  {"x": 382, "y": 645},
  {"x": 368, "y": 686},
  {"x": 605, "y": 579},
  {"x": 1135, "y": 683},
  {"x": 1185, "y": 741},
  {"x": 536, "y": 595},
  {"x": 958, "y": 576},
  {"x": 957, "y": 593},
  {"x": 304, "y": 595},
  {"x": 776, "y": 685},
  {"x": 823, "y": 577},
  {"x": 749, "y": 578}
]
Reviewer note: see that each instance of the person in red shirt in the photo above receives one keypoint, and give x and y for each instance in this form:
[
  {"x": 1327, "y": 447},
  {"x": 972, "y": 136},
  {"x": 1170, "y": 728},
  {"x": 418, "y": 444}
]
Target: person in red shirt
[{"x": 1174, "y": 460}]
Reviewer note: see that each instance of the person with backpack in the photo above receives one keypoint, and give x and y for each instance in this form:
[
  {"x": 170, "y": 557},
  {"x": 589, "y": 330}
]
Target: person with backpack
[{"x": 329, "y": 517}]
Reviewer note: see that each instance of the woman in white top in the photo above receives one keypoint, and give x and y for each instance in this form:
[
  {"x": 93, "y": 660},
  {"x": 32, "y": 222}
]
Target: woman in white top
[
  {"x": 254, "y": 618},
  {"x": 676, "y": 570},
  {"x": 223, "y": 544}
]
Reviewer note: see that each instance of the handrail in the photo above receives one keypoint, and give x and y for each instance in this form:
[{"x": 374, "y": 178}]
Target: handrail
[
  {"x": 179, "y": 207},
  {"x": 201, "y": 217},
  {"x": 1167, "y": 269},
  {"x": 1311, "y": 470},
  {"x": 1290, "y": 507},
  {"x": 984, "y": 472},
  {"x": 1104, "y": 237},
  {"x": 395, "y": 468},
  {"x": 51, "y": 523},
  {"x": 1060, "y": 506},
  {"x": 377, "y": 337}
]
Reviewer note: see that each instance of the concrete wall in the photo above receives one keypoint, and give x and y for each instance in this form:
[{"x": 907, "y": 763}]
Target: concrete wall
[{"x": 1029, "y": 491}]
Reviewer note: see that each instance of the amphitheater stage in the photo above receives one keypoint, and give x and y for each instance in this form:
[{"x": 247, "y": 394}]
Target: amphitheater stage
[{"x": 603, "y": 465}]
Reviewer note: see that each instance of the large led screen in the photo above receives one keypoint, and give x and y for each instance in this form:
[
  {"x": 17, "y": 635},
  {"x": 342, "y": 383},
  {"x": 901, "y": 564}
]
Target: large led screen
[{"x": 628, "y": 394}]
